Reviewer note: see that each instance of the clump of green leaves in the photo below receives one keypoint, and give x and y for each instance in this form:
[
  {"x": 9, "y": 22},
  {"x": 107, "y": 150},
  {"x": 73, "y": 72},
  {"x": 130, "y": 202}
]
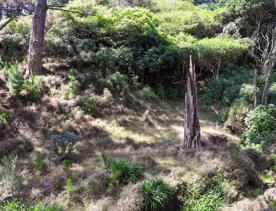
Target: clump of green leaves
[
  {"x": 17, "y": 206},
  {"x": 147, "y": 93},
  {"x": 118, "y": 81},
  {"x": 39, "y": 163},
  {"x": 73, "y": 85},
  {"x": 156, "y": 194},
  {"x": 202, "y": 196},
  {"x": 93, "y": 104},
  {"x": 68, "y": 188},
  {"x": 67, "y": 164},
  {"x": 15, "y": 80},
  {"x": 18, "y": 86},
  {"x": 32, "y": 87},
  {"x": 122, "y": 171},
  {"x": 4, "y": 117},
  {"x": 260, "y": 126}
]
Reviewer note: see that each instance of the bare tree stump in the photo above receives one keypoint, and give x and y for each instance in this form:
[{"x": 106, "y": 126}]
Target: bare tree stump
[{"x": 192, "y": 136}]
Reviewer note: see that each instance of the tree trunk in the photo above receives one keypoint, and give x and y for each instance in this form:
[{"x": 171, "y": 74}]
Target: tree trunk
[
  {"x": 37, "y": 37},
  {"x": 267, "y": 81},
  {"x": 255, "y": 87},
  {"x": 192, "y": 137}
]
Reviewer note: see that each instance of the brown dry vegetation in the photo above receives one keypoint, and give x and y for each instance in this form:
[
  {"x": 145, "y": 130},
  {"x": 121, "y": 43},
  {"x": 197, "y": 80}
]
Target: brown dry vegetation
[{"x": 149, "y": 133}]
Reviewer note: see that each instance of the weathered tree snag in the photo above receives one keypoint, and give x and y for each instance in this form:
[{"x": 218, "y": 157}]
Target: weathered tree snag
[
  {"x": 255, "y": 87},
  {"x": 37, "y": 37},
  {"x": 192, "y": 136},
  {"x": 267, "y": 82}
]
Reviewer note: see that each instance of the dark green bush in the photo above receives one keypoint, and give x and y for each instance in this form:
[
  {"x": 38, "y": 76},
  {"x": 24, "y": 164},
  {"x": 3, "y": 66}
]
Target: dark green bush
[
  {"x": 235, "y": 121},
  {"x": 156, "y": 194},
  {"x": 122, "y": 171},
  {"x": 260, "y": 126},
  {"x": 15, "y": 80}
]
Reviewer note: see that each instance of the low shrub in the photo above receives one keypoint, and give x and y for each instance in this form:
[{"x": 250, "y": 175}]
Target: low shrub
[
  {"x": 15, "y": 80},
  {"x": 147, "y": 93},
  {"x": 122, "y": 171},
  {"x": 39, "y": 163},
  {"x": 156, "y": 194},
  {"x": 4, "y": 117},
  {"x": 260, "y": 126},
  {"x": 204, "y": 196},
  {"x": 31, "y": 88},
  {"x": 94, "y": 104},
  {"x": 63, "y": 143},
  {"x": 235, "y": 120},
  {"x": 118, "y": 81},
  {"x": 68, "y": 188},
  {"x": 18, "y": 206},
  {"x": 73, "y": 85}
]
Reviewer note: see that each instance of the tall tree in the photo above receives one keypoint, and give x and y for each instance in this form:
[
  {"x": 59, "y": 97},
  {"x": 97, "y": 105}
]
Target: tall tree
[
  {"x": 37, "y": 36},
  {"x": 192, "y": 136}
]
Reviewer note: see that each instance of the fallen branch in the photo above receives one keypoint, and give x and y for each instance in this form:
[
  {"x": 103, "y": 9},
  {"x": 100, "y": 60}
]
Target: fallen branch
[{"x": 5, "y": 23}]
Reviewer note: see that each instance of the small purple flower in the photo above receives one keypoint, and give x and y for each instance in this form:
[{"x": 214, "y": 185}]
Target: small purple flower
[{"x": 47, "y": 184}]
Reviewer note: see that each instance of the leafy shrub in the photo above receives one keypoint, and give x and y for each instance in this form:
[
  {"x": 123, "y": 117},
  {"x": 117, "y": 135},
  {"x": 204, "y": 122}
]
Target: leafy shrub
[
  {"x": 63, "y": 143},
  {"x": 147, "y": 93},
  {"x": 17, "y": 206},
  {"x": 67, "y": 164},
  {"x": 4, "y": 117},
  {"x": 122, "y": 171},
  {"x": 32, "y": 88},
  {"x": 236, "y": 117},
  {"x": 260, "y": 126},
  {"x": 73, "y": 85},
  {"x": 69, "y": 188},
  {"x": 272, "y": 162},
  {"x": 15, "y": 80},
  {"x": 204, "y": 197},
  {"x": 39, "y": 163},
  {"x": 231, "y": 85},
  {"x": 118, "y": 81},
  {"x": 156, "y": 194},
  {"x": 94, "y": 104}
]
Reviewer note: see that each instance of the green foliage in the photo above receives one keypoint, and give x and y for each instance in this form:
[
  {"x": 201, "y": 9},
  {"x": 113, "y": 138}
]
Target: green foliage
[
  {"x": 228, "y": 88},
  {"x": 147, "y": 93},
  {"x": 122, "y": 171},
  {"x": 189, "y": 19},
  {"x": 235, "y": 121},
  {"x": 73, "y": 85},
  {"x": 260, "y": 126},
  {"x": 68, "y": 188},
  {"x": 17, "y": 206},
  {"x": 15, "y": 80},
  {"x": 118, "y": 81},
  {"x": 67, "y": 164},
  {"x": 94, "y": 104},
  {"x": 156, "y": 194},
  {"x": 215, "y": 53},
  {"x": 248, "y": 13},
  {"x": 18, "y": 26},
  {"x": 272, "y": 162},
  {"x": 204, "y": 197},
  {"x": 4, "y": 117},
  {"x": 39, "y": 163},
  {"x": 32, "y": 88}
]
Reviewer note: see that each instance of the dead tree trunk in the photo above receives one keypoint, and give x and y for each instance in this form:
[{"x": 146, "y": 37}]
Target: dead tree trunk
[
  {"x": 267, "y": 82},
  {"x": 192, "y": 137},
  {"x": 37, "y": 37},
  {"x": 255, "y": 87}
]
